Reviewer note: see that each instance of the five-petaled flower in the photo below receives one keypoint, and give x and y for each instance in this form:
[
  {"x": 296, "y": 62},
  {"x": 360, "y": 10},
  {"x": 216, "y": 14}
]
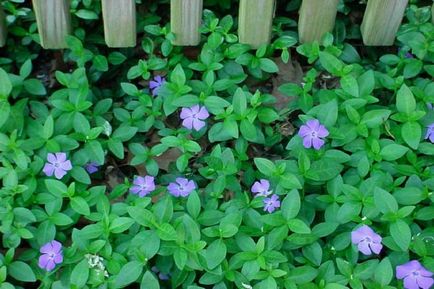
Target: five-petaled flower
[
  {"x": 155, "y": 84},
  {"x": 367, "y": 240},
  {"x": 415, "y": 275},
  {"x": 182, "y": 187},
  {"x": 430, "y": 133},
  {"x": 312, "y": 133},
  {"x": 193, "y": 117},
  {"x": 51, "y": 255},
  {"x": 91, "y": 167},
  {"x": 271, "y": 204},
  {"x": 261, "y": 188},
  {"x": 57, "y": 165},
  {"x": 143, "y": 186}
]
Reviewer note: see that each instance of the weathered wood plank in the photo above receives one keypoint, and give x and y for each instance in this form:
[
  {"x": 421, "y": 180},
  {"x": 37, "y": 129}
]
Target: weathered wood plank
[
  {"x": 54, "y": 22},
  {"x": 185, "y": 21},
  {"x": 381, "y": 21},
  {"x": 119, "y": 18},
  {"x": 317, "y": 17},
  {"x": 255, "y": 21},
  {"x": 3, "y": 31}
]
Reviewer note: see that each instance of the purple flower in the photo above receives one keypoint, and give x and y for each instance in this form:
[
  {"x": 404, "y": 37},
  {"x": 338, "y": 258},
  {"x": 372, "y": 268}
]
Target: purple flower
[
  {"x": 408, "y": 55},
  {"x": 156, "y": 83},
  {"x": 415, "y": 275},
  {"x": 261, "y": 188},
  {"x": 312, "y": 132},
  {"x": 367, "y": 240},
  {"x": 181, "y": 188},
  {"x": 91, "y": 167},
  {"x": 161, "y": 276},
  {"x": 430, "y": 133},
  {"x": 51, "y": 255},
  {"x": 271, "y": 204},
  {"x": 143, "y": 186},
  {"x": 193, "y": 117},
  {"x": 57, "y": 164},
  {"x": 429, "y": 106}
]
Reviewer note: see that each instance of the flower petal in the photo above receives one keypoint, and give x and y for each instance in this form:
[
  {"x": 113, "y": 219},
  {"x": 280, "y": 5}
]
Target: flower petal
[
  {"x": 61, "y": 157},
  {"x": 322, "y": 131},
  {"x": 317, "y": 143},
  {"x": 58, "y": 258},
  {"x": 203, "y": 113},
  {"x": 59, "y": 173},
  {"x": 57, "y": 246},
  {"x": 185, "y": 113},
  {"x": 188, "y": 123},
  {"x": 43, "y": 261},
  {"x": 376, "y": 247},
  {"x": 66, "y": 165},
  {"x": 307, "y": 141},
  {"x": 410, "y": 282},
  {"x": 364, "y": 248},
  {"x": 198, "y": 124},
  {"x": 313, "y": 124},
  {"x": 51, "y": 158},
  {"x": 304, "y": 131},
  {"x": 48, "y": 169},
  {"x": 424, "y": 282}
]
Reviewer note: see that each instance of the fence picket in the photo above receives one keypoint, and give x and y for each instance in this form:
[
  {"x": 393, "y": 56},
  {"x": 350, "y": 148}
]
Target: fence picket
[
  {"x": 3, "y": 31},
  {"x": 54, "y": 22},
  {"x": 316, "y": 18},
  {"x": 381, "y": 21},
  {"x": 185, "y": 21},
  {"x": 255, "y": 21},
  {"x": 119, "y": 18}
]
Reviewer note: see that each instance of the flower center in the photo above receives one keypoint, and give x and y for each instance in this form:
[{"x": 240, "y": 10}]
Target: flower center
[
  {"x": 56, "y": 165},
  {"x": 51, "y": 255},
  {"x": 314, "y": 134},
  {"x": 368, "y": 240},
  {"x": 415, "y": 273},
  {"x": 181, "y": 188}
]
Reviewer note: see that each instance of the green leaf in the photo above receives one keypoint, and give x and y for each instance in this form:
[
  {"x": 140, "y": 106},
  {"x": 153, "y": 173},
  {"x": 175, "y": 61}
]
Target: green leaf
[
  {"x": 384, "y": 272},
  {"x": 128, "y": 274},
  {"x": 149, "y": 281},
  {"x": 95, "y": 151},
  {"x": 56, "y": 187},
  {"x": 5, "y": 85},
  {"x": 100, "y": 63},
  {"x": 34, "y": 86},
  {"x": 80, "y": 274},
  {"x": 268, "y": 65},
  {"x": 215, "y": 254},
  {"x": 303, "y": 274},
  {"x": 265, "y": 166},
  {"x": 121, "y": 224},
  {"x": 86, "y": 14},
  {"x": 239, "y": 102},
  {"x": 393, "y": 152},
  {"x": 80, "y": 205},
  {"x": 405, "y": 101},
  {"x": 375, "y": 117},
  {"x": 5, "y": 109},
  {"x": 401, "y": 234},
  {"x": 384, "y": 201},
  {"x": 412, "y": 134},
  {"x": 178, "y": 76},
  {"x": 298, "y": 226},
  {"x": 349, "y": 85},
  {"x": 291, "y": 205},
  {"x": 193, "y": 205},
  {"x": 21, "y": 272},
  {"x": 331, "y": 63}
]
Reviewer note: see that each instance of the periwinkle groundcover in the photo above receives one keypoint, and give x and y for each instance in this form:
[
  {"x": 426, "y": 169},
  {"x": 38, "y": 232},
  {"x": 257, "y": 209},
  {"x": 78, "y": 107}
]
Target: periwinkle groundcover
[{"x": 158, "y": 169}]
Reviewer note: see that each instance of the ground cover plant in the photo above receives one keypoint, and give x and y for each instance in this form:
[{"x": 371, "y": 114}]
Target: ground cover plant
[{"x": 290, "y": 166}]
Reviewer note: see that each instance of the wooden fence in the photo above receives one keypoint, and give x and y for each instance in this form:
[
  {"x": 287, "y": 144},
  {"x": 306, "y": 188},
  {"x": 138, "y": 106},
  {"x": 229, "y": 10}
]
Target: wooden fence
[{"x": 316, "y": 17}]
